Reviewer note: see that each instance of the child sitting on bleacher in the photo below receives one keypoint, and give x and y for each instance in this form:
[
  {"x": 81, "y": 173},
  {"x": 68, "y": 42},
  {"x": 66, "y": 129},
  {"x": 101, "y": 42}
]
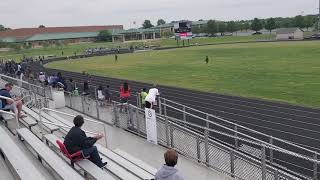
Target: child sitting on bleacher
[{"x": 76, "y": 140}]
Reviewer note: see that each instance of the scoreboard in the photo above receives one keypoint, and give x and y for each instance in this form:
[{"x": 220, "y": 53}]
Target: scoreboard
[{"x": 182, "y": 30}]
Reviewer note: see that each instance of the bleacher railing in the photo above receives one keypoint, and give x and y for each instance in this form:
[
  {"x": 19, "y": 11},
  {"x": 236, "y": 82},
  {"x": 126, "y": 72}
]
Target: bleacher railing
[
  {"x": 206, "y": 144},
  {"x": 218, "y": 145},
  {"x": 69, "y": 127},
  {"x": 205, "y": 120}
]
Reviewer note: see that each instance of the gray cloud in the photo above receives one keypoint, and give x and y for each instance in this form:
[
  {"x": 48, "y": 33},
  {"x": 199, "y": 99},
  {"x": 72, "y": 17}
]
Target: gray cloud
[{"x": 31, "y": 13}]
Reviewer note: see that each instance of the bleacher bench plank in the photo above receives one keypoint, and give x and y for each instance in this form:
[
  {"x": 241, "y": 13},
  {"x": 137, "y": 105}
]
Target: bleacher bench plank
[
  {"x": 136, "y": 161},
  {"x": 59, "y": 118},
  {"x": 53, "y": 120},
  {"x": 29, "y": 121},
  {"x": 125, "y": 163},
  {"x": 57, "y": 164},
  {"x": 118, "y": 170},
  {"x": 85, "y": 164},
  {"x": 20, "y": 164},
  {"x": 33, "y": 114}
]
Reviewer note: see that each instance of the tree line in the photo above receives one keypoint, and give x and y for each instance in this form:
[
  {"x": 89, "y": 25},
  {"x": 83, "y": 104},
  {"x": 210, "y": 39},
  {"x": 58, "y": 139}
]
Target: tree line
[
  {"x": 214, "y": 26},
  {"x": 256, "y": 24}
]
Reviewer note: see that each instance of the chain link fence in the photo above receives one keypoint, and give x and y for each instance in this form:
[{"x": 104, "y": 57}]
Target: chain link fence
[{"x": 240, "y": 156}]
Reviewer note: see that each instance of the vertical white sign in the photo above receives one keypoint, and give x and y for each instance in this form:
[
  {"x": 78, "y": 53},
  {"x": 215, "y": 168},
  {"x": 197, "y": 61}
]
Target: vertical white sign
[{"x": 151, "y": 126}]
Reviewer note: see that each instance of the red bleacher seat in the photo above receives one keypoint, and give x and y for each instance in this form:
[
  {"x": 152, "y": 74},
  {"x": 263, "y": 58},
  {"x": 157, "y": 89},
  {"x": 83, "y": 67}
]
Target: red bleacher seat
[{"x": 77, "y": 156}]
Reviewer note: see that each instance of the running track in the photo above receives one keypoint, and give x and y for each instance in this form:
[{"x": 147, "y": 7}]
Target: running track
[{"x": 293, "y": 123}]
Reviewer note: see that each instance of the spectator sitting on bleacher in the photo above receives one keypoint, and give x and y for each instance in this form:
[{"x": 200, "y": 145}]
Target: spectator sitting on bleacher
[
  {"x": 167, "y": 171},
  {"x": 76, "y": 140},
  {"x": 12, "y": 105}
]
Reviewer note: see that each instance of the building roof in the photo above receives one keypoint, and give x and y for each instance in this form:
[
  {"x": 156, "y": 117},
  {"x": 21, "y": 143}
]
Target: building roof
[
  {"x": 131, "y": 31},
  {"x": 167, "y": 25},
  {"x": 23, "y": 33},
  {"x": 61, "y": 36},
  {"x": 199, "y": 22},
  {"x": 287, "y": 30}
]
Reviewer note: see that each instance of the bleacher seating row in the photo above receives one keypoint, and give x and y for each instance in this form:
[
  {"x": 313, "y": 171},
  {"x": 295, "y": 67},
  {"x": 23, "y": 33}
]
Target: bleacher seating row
[{"x": 121, "y": 165}]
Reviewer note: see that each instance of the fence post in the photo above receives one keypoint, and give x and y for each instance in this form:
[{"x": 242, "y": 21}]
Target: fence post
[
  {"x": 130, "y": 117},
  {"x": 198, "y": 149},
  {"x": 271, "y": 150},
  {"x": 160, "y": 108},
  {"x": 206, "y": 141},
  {"x": 315, "y": 167},
  {"x": 276, "y": 174},
  {"x": 138, "y": 121},
  {"x": 82, "y": 103},
  {"x": 166, "y": 122},
  {"x": 236, "y": 140},
  {"x": 115, "y": 114},
  {"x": 263, "y": 162},
  {"x": 171, "y": 136},
  {"x": 232, "y": 163},
  {"x": 97, "y": 108},
  {"x": 35, "y": 99}
]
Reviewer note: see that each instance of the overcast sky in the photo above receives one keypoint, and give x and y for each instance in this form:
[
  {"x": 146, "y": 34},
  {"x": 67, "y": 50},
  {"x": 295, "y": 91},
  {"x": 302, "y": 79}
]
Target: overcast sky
[{"x": 31, "y": 13}]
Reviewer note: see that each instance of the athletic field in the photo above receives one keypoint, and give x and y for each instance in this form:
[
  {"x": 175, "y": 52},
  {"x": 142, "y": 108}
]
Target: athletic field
[
  {"x": 284, "y": 71},
  {"x": 69, "y": 50}
]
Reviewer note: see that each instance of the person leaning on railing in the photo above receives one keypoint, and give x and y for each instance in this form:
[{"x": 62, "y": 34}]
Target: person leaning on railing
[
  {"x": 151, "y": 97},
  {"x": 167, "y": 171},
  {"x": 10, "y": 104}
]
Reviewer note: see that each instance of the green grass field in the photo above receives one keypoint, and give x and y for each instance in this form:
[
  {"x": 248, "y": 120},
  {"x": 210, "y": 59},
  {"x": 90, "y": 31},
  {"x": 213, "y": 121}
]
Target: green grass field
[
  {"x": 79, "y": 48},
  {"x": 282, "y": 71}
]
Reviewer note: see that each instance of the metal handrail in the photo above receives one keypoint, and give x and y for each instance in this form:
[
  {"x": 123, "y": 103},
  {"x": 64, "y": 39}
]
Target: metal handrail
[
  {"x": 15, "y": 114},
  {"x": 270, "y": 146},
  {"x": 71, "y": 115},
  {"x": 227, "y": 148},
  {"x": 235, "y": 124},
  {"x": 20, "y": 80}
]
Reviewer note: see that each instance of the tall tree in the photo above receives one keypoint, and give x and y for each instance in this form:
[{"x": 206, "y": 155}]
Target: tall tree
[
  {"x": 246, "y": 26},
  {"x": 147, "y": 24},
  {"x": 222, "y": 28},
  {"x": 104, "y": 36},
  {"x": 212, "y": 27},
  {"x": 308, "y": 22},
  {"x": 232, "y": 26},
  {"x": 271, "y": 24},
  {"x": 256, "y": 25},
  {"x": 41, "y": 26},
  {"x": 160, "y": 22},
  {"x": 195, "y": 29},
  {"x": 299, "y": 21}
]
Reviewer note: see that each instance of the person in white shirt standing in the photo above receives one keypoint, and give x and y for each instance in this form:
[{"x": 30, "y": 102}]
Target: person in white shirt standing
[{"x": 151, "y": 97}]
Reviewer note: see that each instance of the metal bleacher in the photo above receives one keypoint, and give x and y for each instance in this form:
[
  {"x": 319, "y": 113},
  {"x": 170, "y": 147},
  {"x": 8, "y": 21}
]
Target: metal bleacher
[
  {"x": 121, "y": 165},
  {"x": 50, "y": 127}
]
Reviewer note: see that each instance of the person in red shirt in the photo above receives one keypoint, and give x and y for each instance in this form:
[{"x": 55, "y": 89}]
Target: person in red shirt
[{"x": 125, "y": 93}]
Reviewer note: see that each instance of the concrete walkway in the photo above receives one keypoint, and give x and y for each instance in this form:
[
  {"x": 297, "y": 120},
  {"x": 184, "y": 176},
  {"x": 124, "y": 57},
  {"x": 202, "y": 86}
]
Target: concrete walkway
[{"x": 151, "y": 154}]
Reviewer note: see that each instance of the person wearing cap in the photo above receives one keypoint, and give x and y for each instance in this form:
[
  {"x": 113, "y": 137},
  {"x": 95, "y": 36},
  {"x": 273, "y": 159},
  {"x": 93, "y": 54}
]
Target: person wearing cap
[
  {"x": 168, "y": 171},
  {"x": 10, "y": 104},
  {"x": 151, "y": 97}
]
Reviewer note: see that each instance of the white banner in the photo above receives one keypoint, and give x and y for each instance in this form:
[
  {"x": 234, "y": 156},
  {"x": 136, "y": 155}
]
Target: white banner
[{"x": 151, "y": 126}]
